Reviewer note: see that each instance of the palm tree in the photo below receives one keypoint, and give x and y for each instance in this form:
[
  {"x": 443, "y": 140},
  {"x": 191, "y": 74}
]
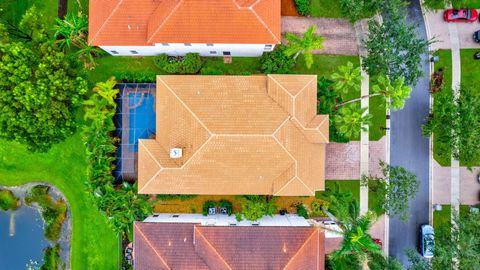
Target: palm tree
[
  {"x": 347, "y": 78},
  {"x": 72, "y": 30},
  {"x": 351, "y": 119},
  {"x": 305, "y": 44}
]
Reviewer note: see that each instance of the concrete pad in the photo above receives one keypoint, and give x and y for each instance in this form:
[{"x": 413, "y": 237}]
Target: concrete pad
[
  {"x": 439, "y": 30},
  {"x": 441, "y": 184},
  {"x": 378, "y": 229},
  {"x": 340, "y": 37},
  {"x": 377, "y": 151},
  {"x": 342, "y": 161},
  {"x": 469, "y": 187}
]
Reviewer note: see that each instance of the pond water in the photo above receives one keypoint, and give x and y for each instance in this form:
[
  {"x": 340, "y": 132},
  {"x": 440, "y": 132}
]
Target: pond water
[{"x": 27, "y": 242}]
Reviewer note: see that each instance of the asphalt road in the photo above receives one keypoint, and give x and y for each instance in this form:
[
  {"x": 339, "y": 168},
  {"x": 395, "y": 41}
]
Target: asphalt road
[{"x": 409, "y": 149}]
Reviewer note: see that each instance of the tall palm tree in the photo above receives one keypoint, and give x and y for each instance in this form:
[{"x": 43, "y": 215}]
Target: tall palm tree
[
  {"x": 351, "y": 119},
  {"x": 304, "y": 44},
  {"x": 71, "y": 30},
  {"x": 348, "y": 78}
]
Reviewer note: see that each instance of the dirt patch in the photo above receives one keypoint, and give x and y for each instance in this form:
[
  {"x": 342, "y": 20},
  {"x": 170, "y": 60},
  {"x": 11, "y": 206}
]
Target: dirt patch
[{"x": 288, "y": 8}]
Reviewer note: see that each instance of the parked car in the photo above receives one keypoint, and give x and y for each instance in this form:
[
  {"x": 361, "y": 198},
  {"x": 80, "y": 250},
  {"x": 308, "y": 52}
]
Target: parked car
[
  {"x": 378, "y": 242},
  {"x": 476, "y": 36},
  {"x": 476, "y": 56},
  {"x": 460, "y": 15},
  {"x": 427, "y": 241}
]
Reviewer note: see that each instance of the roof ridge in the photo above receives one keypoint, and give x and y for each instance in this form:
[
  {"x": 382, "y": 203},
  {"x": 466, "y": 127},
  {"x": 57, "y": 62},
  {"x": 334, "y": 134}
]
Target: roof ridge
[
  {"x": 302, "y": 247},
  {"x": 164, "y": 21},
  {"x": 152, "y": 247},
  {"x": 195, "y": 228},
  {"x": 105, "y": 22},
  {"x": 263, "y": 23}
]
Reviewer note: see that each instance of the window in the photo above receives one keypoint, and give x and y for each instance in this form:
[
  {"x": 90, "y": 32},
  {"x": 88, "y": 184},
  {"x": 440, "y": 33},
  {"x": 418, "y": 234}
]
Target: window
[
  {"x": 165, "y": 44},
  {"x": 133, "y": 52},
  {"x": 209, "y": 45},
  {"x": 114, "y": 52},
  {"x": 188, "y": 44},
  {"x": 268, "y": 47},
  {"x": 213, "y": 52},
  {"x": 227, "y": 53}
]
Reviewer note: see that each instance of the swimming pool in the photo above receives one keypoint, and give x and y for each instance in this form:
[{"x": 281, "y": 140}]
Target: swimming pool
[{"x": 141, "y": 118}]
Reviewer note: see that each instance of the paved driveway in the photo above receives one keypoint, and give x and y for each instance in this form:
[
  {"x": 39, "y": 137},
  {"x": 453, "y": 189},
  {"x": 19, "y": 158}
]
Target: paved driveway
[
  {"x": 410, "y": 149},
  {"x": 339, "y": 34},
  {"x": 439, "y": 30}
]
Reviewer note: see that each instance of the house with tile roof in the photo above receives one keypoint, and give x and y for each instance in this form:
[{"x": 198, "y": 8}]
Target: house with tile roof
[
  {"x": 192, "y": 242},
  {"x": 229, "y": 135},
  {"x": 177, "y": 27}
]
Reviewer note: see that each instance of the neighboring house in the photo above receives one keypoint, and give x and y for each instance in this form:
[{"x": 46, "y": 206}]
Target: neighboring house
[
  {"x": 235, "y": 135},
  {"x": 177, "y": 27},
  {"x": 192, "y": 241}
]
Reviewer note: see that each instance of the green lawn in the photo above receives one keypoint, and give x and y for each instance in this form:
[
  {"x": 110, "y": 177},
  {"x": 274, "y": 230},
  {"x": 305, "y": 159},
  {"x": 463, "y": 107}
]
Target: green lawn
[
  {"x": 374, "y": 202},
  {"x": 352, "y": 186},
  {"x": 108, "y": 65},
  {"x": 378, "y": 109},
  {"x": 442, "y": 152},
  {"x": 325, "y": 8},
  {"x": 466, "y": 3},
  {"x": 93, "y": 242},
  {"x": 239, "y": 65},
  {"x": 470, "y": 67}
]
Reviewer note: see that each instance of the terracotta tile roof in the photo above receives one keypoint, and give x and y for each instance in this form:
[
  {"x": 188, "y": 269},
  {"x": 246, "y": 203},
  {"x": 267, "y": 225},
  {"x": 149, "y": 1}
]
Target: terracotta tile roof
[
  {"x": 238, "y": 135},
  {"x": 192, "y": 246},
  {"x": 146, "y": 22}
]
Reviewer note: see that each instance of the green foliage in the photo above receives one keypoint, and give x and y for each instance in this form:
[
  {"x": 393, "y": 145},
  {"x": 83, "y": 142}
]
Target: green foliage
[
  {"x": 435, "y": 4},
  {"x": 377, "y": 261},
  {"x": 303, "y": 7},
  {"x": 301, "y": 210},
  {"x": 417, "y": 262},
  {"x": 122, "y": 204},
  {"x": 52, "y": 259},
  {"x": 255, "y": 207},
  {"x": 53, "y": 212},
  {"x": 395, "y": 190},
  {"x": 305, "y": 44},
  {"x": 136, "y": 77},
  {"x": 347, "y": 78},
  {"x": 191, "y": 63},
  {"x": 357, "y": 9},
  {"x": 171, "y": 197},
  {"x": 277, "y": 62},
  {"x": 8, "y": 201},
  {"x": 396, "y": 93},
  {"x": 351, "y": 119},
  {"x": 39, "y": 92},
  {"x": 207, "y": 205},
  {"x": 456, "y": 123},
  {"x": 226, "y": 204},
  {"x": 394, "y": 49}
]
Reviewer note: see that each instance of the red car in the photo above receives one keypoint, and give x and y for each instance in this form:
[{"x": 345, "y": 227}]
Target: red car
[
  {"x": 460, "y": 15},
  {"x": 378, "y": 242}
]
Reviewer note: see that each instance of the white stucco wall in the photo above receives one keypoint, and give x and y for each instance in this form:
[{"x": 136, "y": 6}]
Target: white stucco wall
[{"x": 180, "y": 49}]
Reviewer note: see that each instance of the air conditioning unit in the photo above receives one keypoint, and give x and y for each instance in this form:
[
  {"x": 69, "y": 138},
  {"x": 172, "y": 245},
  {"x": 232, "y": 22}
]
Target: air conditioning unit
[{"x": 176, "y": 153}]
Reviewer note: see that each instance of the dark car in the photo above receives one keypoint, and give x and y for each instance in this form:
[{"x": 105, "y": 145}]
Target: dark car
[
  {"x": 460, "y": 15},
  {"x": 476, "y": 56},
  {"x": 476, "y": 36},
  {"x": 427, "y": 241}
]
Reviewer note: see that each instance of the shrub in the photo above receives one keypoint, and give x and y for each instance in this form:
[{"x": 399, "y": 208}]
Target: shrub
[
  {"x": 191, "y": 63},
  {"x": 318, "y": 206},
  {"x": 276, "y": 62},
  {"x": 211, "y": 71},
  {"x": 171, "y": 197},
  {"x": 301, "y": 210},
  {"x": 53, "y": 212},
  {"x": 255, "y": 207},
  {"x": 303, "y": 7},
  {"x": 8, "y": 201},
  {"x": 52, "y": 259},
  {"x": 227, "y": 205},
  {"x": 135, "y": 77},
  {"x": 207, "y": 205}
]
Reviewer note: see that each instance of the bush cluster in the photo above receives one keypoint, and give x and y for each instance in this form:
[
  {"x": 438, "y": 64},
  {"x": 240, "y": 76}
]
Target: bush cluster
[
  {"x": 135, "y": 77},
  {"x": 8, "y": 201},
  {"x": 191, "y": 63},
  {"x": 302, "y": 210},
  {"x": 53, "y": 212},
  {"x": 276, "y": 62},
  {"x": 256, "y": 206},
  {"x": 52, "y": 259},
  {"x": 303, "y": 7}
]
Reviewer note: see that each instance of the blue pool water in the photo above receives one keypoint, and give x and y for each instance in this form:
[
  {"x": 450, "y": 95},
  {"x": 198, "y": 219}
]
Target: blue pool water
[
  {"x": 142, "y": 118},
  {"x": 28, "y": 241}
]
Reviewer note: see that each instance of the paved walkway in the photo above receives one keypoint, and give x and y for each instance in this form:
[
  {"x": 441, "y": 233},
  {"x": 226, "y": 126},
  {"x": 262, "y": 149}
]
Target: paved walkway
[
  {"x": 469, "y": 187},
  {"x": 339, "y": 34},
  {"x": 440, "y": 31}
]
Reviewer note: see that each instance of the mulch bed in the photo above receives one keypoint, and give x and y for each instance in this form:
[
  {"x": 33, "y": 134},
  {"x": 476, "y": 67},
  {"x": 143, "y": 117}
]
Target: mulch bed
[{"x": 288, "y": 8}]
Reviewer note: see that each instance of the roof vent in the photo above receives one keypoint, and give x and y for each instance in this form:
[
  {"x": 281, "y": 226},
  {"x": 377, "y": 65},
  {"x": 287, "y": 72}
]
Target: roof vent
[{"x": 175, "y": 152}]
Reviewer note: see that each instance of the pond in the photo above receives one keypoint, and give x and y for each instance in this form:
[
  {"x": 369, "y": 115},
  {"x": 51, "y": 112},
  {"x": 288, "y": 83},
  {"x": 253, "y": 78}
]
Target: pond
[{"x": 27, "y": 242}]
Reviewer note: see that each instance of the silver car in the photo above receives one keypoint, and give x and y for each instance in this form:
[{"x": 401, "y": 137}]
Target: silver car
[{"x": 427, "y": 241}]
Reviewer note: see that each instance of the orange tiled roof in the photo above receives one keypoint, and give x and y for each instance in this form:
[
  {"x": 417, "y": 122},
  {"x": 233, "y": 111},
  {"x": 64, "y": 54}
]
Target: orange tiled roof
[
  {"x": 238, "y": 135},
  {"x": 160, "y": 246},
  {"x": 146, "y": 22}
]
